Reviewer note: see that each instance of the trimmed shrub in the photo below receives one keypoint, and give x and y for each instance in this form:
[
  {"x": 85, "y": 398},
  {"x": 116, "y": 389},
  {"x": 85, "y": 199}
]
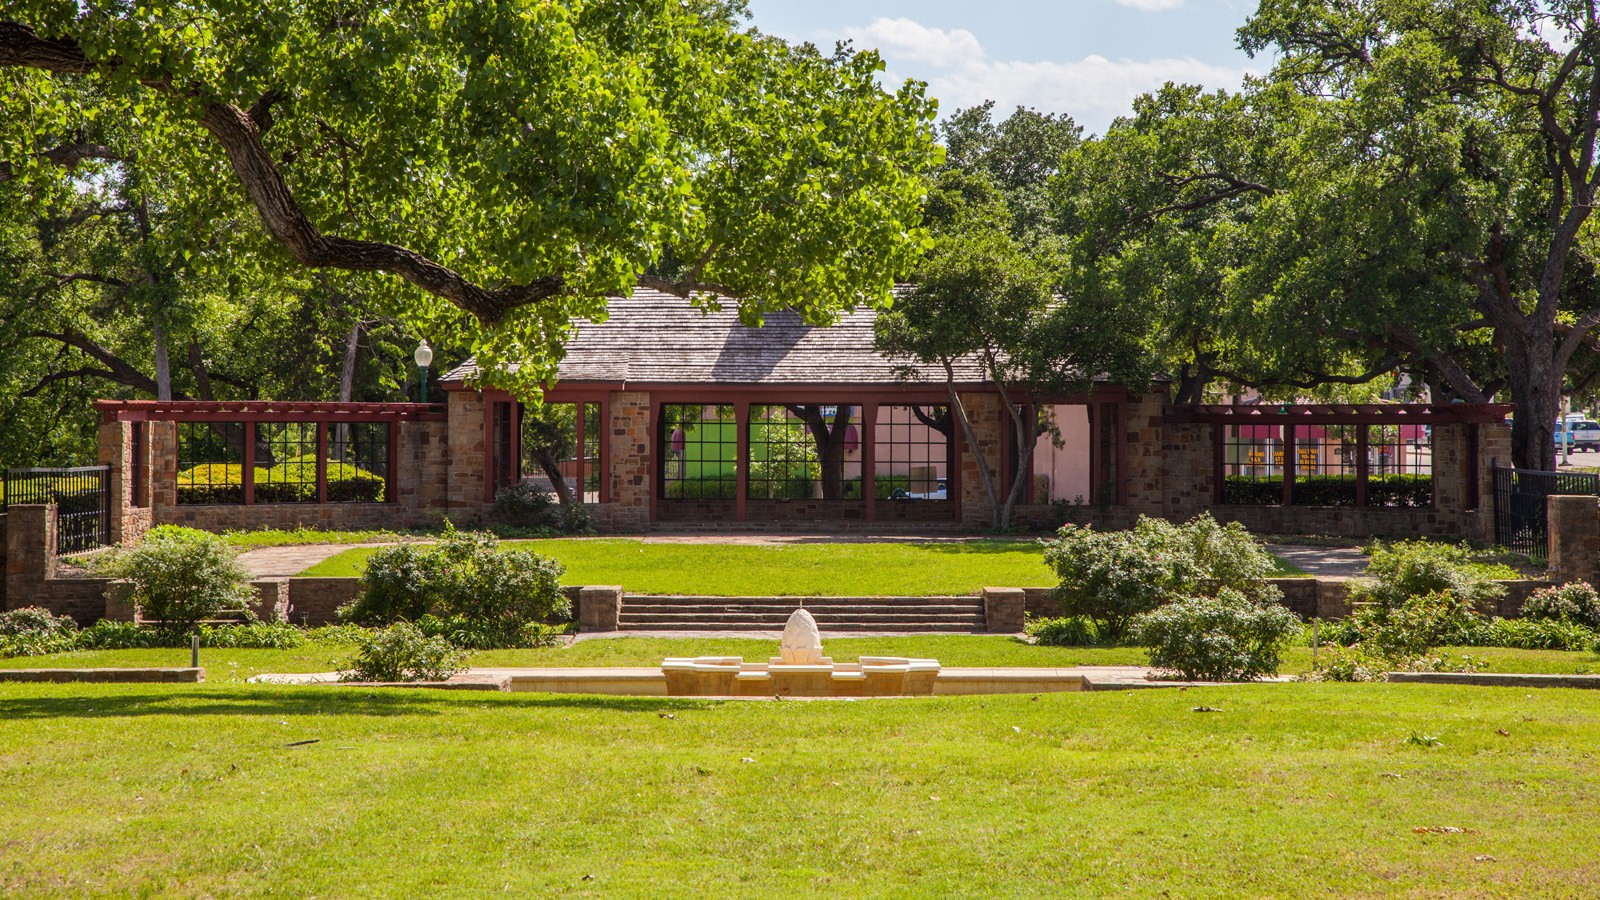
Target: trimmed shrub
[
  {"x": 1064, "y": 631},
  {"x": 402, "y": 652},
  {"x": 701, "y": 489},
  {"x": 1113, "y": 576},
  {"x": 181, "y": 576},
  {"x": 1227, "y": 637},
  {"x": 465, "y": 576},
  {"x": 1575, "y": 602}
]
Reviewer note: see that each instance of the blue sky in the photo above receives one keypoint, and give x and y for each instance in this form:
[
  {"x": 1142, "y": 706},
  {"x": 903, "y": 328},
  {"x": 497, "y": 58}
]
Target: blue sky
[{"x": 1085, "y": 58}]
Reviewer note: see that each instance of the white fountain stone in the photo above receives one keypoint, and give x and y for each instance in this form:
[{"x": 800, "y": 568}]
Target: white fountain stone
[{"x": 802, "y": 642}]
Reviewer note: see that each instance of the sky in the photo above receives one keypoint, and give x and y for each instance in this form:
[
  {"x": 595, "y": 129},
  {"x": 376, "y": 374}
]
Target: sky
[{"x": 1086, "y": 58}]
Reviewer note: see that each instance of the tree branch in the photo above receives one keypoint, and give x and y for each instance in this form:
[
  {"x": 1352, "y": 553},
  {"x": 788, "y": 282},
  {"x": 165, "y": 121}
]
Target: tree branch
[{"x": 68, "y": 156}]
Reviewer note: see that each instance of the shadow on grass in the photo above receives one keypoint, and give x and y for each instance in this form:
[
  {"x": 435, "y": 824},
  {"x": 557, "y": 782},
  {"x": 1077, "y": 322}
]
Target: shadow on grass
[{"x": 314, "y": 700}]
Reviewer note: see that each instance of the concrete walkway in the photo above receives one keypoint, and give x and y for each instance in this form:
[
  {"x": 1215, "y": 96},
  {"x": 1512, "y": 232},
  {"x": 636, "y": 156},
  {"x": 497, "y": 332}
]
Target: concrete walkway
[
  {"x": 282, "y": 562},
  {"x": 1323, "y": 562}
]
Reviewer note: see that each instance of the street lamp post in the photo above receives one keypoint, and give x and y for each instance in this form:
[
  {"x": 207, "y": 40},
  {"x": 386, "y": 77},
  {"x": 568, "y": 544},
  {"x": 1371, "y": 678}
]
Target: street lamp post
[{"x": 424, "y": 359}]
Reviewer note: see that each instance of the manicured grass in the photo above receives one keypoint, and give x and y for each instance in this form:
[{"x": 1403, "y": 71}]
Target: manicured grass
[
  {"x": 1289, "y": 790},
  {"x": 886, "y": 569},
  {"x": 778, "y": 570},
  {"x": 281, "y": 537},
  {"x": 224, "y": 665}
]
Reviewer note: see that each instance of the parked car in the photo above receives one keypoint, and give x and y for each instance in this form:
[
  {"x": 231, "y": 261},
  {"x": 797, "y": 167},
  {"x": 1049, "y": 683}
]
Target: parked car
[{"x": 1579, "y": 434}]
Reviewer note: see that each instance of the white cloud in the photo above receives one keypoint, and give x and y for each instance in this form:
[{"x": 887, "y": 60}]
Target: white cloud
[
  {"x": 1151, "y": 5},
  {"x": 1093, "y": 90}
]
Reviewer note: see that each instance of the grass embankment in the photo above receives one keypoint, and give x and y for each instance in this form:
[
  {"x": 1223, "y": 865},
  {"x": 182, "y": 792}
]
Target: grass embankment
[
  {"x": 1289, "y": 790},
  {"x": 224, "y": 665},
  {"x": 824, "y": 569}
]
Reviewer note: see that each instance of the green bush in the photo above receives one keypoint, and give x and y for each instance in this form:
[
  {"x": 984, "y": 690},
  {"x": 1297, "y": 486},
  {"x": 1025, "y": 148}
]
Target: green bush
[
  {"x": 1410, "y": 569},
  {"x": 470, "y": 635},
  {"x": 1411, "y": 627},
  {"x": 1532, "y": 634},
  {"x": 108, "y": 635},
  {"x": 1113, "y": 576},
  {"x": 524, "y": 506},
  {"x": 401, "y": 652},
  {"x": 180, "y": 576},
  {"x": 253, "y": 636},
  {"x": 1354, "y": 663},
  {"x": 32, "y": 631},
  {"x": 1226, "y": 637},
  {"x": 701, "y": 489},
  {"x": 35, "y": 620},
  {"x": 400, "y": 584},
  {"x": 1576, "y": 602},
  {"x": 1064, "y": 631},
  {"x": 465, "y": 576},
  {"x": 1252, "y": 490}
]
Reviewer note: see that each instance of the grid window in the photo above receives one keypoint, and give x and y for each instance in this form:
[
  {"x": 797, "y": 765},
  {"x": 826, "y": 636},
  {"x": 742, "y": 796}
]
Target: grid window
[
  {"x": 590, "y": 452},
  {"x": 911, "y": 454},
  {"x": 551, "y": 454},
  {"x": 1253, "y": 465},
  {"x": 358, "y": 463},
  {"x": 700, "y": 450},
  {"x": 286, "y": 462},
  {"x": 1325, "y": 469},
  {"x": 1399, "y": 466},
  {"x": 210, "y": 463},
  {"x": 805, "y": 451}
]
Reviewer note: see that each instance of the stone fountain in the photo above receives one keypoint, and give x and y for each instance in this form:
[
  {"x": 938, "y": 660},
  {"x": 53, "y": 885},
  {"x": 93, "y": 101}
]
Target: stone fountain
[{"x": 799, "y": 670}]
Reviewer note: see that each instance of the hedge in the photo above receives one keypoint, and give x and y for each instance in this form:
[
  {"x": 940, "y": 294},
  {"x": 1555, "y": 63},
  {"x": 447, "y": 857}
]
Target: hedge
[
  {"x": 1329, "y": 490},
  {"x": 289, "y": 482}
]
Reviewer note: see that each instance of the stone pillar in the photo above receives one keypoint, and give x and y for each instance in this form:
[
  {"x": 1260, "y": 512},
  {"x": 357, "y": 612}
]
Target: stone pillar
[
  {"x": 129, "y": 520},
  {"x": 988, "y": 429},
  {"x": 163, "y": 440},
  {"x": 1494, "y": 449},
  {"x": 1004, "y": 610},
  {"x": 1144, "y": 451},
  {"x": 1574, "y": 529},
  {"x": 30, "y": 552},
  {"x": 599, "y": 607},
  {"x": 468, "y": 453},
  {"x": 1452, "y": 482},
  {"x": 1188, "y": 470},
  {"x": 422, "y": 467},
  {"x": 631, "y": 448}
]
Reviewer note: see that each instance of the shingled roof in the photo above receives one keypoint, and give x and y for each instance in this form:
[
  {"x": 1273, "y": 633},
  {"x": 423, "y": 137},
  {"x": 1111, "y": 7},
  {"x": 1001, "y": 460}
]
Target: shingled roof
[{"x": 652, "y": 337}]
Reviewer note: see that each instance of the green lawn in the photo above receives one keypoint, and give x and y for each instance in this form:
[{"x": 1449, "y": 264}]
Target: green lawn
[
  {"x": 1289, "y": 790},
  {"x": 952, "y": 650},
  {"x": 879, "y": 569}
]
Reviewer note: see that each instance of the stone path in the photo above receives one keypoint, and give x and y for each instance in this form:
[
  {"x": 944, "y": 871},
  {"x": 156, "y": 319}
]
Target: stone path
[
  {"x": 1324, "y": 562},
  {"x": 281, "y": 562}
]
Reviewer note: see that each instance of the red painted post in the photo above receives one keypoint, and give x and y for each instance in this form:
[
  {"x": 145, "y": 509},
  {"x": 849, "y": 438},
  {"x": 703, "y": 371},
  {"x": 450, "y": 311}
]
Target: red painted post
[
  {"x": 580, "y": 416},
  {"x": 653, "y": 444},
  {"x": 1288, "y": 465},
  {"x": 869, "y": 458},
  {"x": 603, "y": 452},
  {"x": 247, "y": 477},
  {"x": 322, "y": 461},
  {"x": 488, "y": 449},
  {"x": 1219, "y": 462},
  {"x": 391, "y": 491},
  {"x": 1362, "y": 467},
  {"x": 741, "y": 466}
]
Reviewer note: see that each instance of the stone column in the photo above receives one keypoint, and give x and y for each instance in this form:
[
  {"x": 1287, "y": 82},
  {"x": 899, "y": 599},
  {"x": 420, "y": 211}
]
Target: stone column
[
  {"x": 988, "y": 429},
  {"x": 1004, "y": 610},
  {"x": 468, "y": 450},
  {"x": 631, "y": 448},
  {"x": 30, "y": 551},
  {"x": 1574, "y": 535}
]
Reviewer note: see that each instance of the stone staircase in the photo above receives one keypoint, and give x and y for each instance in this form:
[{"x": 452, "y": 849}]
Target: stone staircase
[{"x": 926, "y": 615}]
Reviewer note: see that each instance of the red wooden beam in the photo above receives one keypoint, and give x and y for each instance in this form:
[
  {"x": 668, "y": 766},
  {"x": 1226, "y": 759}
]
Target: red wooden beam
[{"x": 265, "y": 411}]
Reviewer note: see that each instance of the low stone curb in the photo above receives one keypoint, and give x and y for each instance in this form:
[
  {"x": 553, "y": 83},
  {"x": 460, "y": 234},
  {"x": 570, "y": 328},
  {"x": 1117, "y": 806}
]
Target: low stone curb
[
  {"x": 107, "y": 676},
  {"x": 1495, "y": 679}
]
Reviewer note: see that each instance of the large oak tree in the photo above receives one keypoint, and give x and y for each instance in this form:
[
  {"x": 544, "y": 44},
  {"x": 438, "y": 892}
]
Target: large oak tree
[{"x": 501, "y": 167}]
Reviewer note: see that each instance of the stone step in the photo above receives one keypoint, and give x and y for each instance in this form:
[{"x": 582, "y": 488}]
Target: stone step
[
  {"x": 692, "y": 618},
  {"x": 793, "y": 603},
  {"x": 832, "y": 626},
  {"x": 817, "y": 611}
]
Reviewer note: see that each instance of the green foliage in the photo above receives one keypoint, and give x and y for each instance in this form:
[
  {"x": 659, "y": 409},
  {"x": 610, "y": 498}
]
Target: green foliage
[
  {"x": 524, "y": 506},
  {"x": 1329, "y": 490},
  {"x": 1408, "y": 569},
  {"x": 1409, "y": 628},
  {"x": 181, "y": 576},
  {"x": 401, "y": 652},
  {"x": 1064, "y": 631},
  {"x": 108, "y": 635},
  {"x": 253, "y": 636},
  {"x": 1225, "y": 636},
  {"x": 541, "y": 156},
  {"x": 465, "y": 576},
  {"x": 476, "y": 634},
  {"x": 33, "y": 631},
  {"x": 1576, "y": 602},
  {"x": 1356, "y": 662},
  {"x": 1113, "y": 576},
  {"x": 1533, "y": 634}
]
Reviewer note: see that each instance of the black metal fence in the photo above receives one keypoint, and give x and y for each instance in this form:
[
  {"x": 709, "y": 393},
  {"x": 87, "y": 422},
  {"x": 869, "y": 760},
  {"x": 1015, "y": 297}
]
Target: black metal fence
[
  {"x": 82, "y": 497},
  {"x": 1522, "y": 502}
]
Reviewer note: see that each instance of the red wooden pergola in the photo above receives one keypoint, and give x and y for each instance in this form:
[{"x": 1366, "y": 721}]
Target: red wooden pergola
[{"x": 1291, "y": 417}]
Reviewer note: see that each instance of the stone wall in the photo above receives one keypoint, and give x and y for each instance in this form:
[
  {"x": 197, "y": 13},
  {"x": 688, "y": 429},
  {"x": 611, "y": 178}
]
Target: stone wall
[
  {"x": 466, "y": 451},
  {"x": 316, "y": 601},
  {"x": 1574, "y": 539}
]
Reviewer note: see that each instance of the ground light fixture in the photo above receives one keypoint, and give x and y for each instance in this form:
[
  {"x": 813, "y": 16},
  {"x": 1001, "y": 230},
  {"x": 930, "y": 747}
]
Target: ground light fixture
[{"x": 424, "y": 359}]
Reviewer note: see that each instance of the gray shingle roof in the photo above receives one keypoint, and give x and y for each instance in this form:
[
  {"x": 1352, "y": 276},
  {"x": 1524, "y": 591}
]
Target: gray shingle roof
[{"x": 654, "y": 337}]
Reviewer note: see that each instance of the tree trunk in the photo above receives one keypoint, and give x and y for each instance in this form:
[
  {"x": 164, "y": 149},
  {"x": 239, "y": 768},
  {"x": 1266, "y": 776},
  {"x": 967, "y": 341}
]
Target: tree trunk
[
  {"x": 552, "y": 469},
  {"x": 1534, "y": 382},
  {"x": 163, "y": 365},
  {"x": 347, "y": 387}
]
